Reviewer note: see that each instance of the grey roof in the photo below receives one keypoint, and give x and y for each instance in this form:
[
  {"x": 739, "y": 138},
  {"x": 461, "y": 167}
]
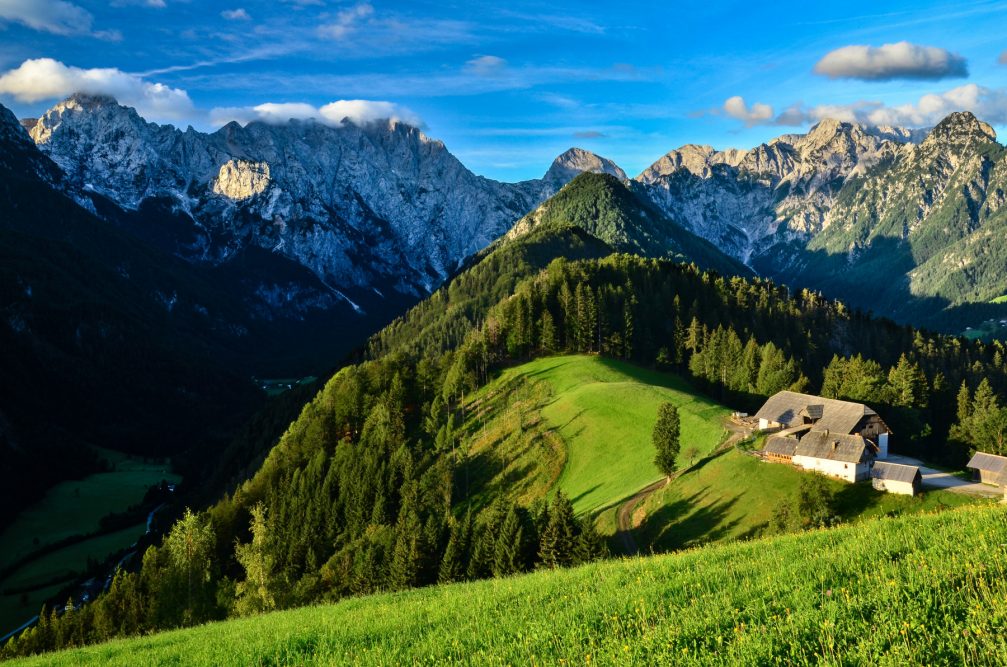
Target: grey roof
[
  {"x": 780, "y": 445},
  {"x": 833, "y": 446},
  {"x": 813, "y": 411},
  {"x": 787, "y": 407},
  {"x": 895, "y": 472},
  {"x": 991, "y": 462}
]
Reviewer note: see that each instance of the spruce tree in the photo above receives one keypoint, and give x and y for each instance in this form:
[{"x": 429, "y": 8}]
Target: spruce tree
[
  {"x": 557, "y": 541},
  {"x": 508, "y": 554},
  {"x": 666, "y": 438},
  {"x": 256, "y": 594},
  {"x": 451, "y": 564}
]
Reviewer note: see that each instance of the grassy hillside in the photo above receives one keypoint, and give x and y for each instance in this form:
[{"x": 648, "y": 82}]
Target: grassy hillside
[
  {"x": 917, "y": 590},
  {"x": 584, "y": 423},
  {"x": 733, "y": 496}
]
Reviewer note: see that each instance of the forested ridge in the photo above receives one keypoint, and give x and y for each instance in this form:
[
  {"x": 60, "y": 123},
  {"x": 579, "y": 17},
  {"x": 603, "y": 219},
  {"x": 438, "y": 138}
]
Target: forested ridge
[{"x": 365, "y": 491}]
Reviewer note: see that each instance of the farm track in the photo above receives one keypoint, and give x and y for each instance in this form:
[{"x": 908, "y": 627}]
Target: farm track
[{"x": 624, "y": 515}]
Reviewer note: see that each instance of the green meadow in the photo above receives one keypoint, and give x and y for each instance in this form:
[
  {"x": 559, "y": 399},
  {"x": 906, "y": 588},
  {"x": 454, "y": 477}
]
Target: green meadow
[
  {"x": 923, "y": 589},
  {"x": 733, "y": 495},
  {"x": 582, "y": 423},
  {"x": 70, "y": 508}
]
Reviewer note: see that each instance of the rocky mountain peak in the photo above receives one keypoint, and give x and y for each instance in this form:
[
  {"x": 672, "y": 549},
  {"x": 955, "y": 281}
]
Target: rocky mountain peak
[
  {"x": 577, "y": 160},
  {"x": 961, "y": 127},
  {"x": 89, "y": 101}
]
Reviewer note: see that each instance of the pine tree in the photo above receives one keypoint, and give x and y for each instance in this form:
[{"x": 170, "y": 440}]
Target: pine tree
[
  {"x": 508, "y": 554},
  {"x": 964, "y": 401},
  {"x": 451, "y": 564},
  {"x": 666, "y": 438},
  {"x": 256, "y": 594},
  {"x": 190, "y": 550},
  {"x": 557, "y": 541}
]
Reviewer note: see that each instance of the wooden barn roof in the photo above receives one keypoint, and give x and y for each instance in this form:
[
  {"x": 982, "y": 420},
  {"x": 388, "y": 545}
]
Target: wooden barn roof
[
  {"x": 833, "y": 446},
  {"x": 789, "y": 407},
  {"x": 780, "y": 445},
  {"x": 991, "y": 462},
  {"x": 895, "y": 472}
]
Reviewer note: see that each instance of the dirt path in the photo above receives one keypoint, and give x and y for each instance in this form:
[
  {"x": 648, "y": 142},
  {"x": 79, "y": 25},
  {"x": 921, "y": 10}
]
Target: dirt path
[{"x": 624, "y": 515}]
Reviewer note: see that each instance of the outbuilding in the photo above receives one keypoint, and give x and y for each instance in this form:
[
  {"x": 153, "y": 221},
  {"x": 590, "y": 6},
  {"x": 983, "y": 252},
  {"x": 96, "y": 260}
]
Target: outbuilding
[
  {"x": 989, "y": 468},
  {"x": 896, "y": 478}
]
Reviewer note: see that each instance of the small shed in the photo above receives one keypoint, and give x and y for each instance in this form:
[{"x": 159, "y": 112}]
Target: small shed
[
  {"x": 989, "y": 468},
  {"x": 896, "y": 478},
  {"x": 779, "y": 449}
]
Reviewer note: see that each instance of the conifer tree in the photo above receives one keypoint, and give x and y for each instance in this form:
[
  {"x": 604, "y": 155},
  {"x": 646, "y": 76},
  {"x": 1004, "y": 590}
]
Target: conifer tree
[
  {"x": 557, "y": 540},
  {"x": 256, "y": 594},
  {"x": 665, "y": 437},
  {"x": 451, "y": 568},
  {"x": 508, "y": 554}
]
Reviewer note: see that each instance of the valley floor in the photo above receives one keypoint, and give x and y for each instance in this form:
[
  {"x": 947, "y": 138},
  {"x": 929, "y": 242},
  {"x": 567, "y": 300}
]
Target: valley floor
[{"x": 69, "y": 509}]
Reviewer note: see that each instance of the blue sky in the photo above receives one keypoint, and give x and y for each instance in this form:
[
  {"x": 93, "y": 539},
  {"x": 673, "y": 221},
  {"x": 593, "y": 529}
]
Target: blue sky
[{"x": 508, "y": 86}]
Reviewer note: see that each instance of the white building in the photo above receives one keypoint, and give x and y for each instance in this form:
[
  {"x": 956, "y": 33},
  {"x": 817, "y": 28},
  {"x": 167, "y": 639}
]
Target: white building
[
  {"x": 839, "y": 455},
  {"x": 896, "y": 478}
]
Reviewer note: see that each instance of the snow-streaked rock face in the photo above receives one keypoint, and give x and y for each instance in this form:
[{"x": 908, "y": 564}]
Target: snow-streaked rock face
[
  {"x": 355, "y": 204},
  {"x": 747, "y": 201}
]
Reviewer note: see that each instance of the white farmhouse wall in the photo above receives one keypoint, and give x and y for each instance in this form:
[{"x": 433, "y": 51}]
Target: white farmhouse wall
[
  {"x": 851, "y": 472},
  {"x": 763, "y": 424},
  {"x": 900, "y": 488}
]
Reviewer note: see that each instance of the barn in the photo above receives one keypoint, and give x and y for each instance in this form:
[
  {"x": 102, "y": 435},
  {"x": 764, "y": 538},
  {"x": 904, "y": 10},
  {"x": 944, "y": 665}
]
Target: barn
[
  {"x": 789, "y": 409},
  {"x": 840, "y": 455},
  {"x": 989, "y": 468},
  {"x": 896, "y": 478}
]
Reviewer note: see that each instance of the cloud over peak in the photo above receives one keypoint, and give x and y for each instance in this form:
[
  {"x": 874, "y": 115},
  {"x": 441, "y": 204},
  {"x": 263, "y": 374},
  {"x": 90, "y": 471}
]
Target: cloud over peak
[
  {"x": 46, "y": 79},
  {"x": 989, "y": 104},
  {"x": 358, "y": 112},
  {"x": 901, "y": 60}
]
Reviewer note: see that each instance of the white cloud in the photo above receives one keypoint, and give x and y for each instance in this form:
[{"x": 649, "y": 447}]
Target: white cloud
[
  {"x": 901, "y": 60},
  {"x": 157, "y": 4},
  {"x": 757, "y": 114},
  {"x": 362, "y": 112},
  {"x": 359, "y": 112},
  {"x": 48, "y": 79},
  {"x": 346, "y": 21},
  {"x": 55, "y": 16},
  {"x": 988, "y": 104},
  {"x": 486, "y": 66},
  {"x": 238, "y": 14}
]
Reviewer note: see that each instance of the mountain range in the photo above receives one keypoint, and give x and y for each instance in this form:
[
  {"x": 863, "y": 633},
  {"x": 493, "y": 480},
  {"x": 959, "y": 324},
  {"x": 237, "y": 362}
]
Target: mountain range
[{"x": 380, "y": 214}]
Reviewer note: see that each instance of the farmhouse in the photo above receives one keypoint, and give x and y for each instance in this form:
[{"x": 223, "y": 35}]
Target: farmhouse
[
  {"x": 789, "y": 410},
  {"x": 989, "y": 468},
  {"x": 839, "y": 455},
  {"x": 896, "y": 478}
]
